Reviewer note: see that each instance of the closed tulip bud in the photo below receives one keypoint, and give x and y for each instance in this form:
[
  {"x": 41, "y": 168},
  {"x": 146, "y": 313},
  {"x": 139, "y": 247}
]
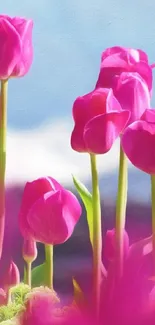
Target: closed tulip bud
[
  {"x": 12, "y": 276},
  {"x": 16, "y": 53},
  {"x": 29, "y": 250}
]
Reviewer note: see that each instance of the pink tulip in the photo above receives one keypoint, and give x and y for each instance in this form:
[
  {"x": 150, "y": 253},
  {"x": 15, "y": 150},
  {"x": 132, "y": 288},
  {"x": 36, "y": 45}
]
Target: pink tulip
[
  {"x": 117, "y": 59},
  {"x": 99, "y": 120},
  {"x": 12, "y": 276},
  {"x": 29, "y": 250},
  {"x": 16, "y": 53},
  {"x": 138, "y": 142},
  {"x": 110, "y": 244},
  {"x": 48, "y": 212},
  {"x": 132, "y": 93}
]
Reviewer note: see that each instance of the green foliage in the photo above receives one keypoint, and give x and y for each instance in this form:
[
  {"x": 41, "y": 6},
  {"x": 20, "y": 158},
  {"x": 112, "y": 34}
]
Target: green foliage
[
  {"x": 38, "y": 275},
  {"x": 19, "y": 292},
  {"x": 79, "y": 297},
  {"x": 87, "y": 201},
  {"x": 9, "y": 311}
]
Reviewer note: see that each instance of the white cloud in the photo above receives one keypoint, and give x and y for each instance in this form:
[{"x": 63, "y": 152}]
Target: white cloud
[{"x": 46, "y": 151}]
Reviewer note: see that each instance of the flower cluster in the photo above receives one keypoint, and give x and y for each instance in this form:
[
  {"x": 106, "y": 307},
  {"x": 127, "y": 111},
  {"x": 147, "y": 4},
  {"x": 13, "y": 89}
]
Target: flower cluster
[{"x": 118, "y": 107}]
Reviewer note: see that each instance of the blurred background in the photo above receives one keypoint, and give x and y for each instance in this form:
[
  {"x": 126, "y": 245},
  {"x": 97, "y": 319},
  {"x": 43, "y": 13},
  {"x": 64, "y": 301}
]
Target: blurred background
[{"x": 69, "y": 37}]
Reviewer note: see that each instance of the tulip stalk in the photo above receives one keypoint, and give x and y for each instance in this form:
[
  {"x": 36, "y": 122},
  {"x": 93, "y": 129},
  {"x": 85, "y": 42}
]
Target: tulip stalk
[
  {"x": 49, "y": 265},
  {"x": 3, "y": 128},
  {"x": 153, "y": 218},
  {"x": 121, "y": 211},
  {"x": 97, "y": 235},
  {"x": 28, "y": 274}
]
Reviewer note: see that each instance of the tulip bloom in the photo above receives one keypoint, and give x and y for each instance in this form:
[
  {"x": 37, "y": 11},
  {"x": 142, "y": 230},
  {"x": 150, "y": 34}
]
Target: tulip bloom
[
  {"x": 138, "y": 142},
  {"x": 117, "y": 59},
  {"x": 16, "y": 53},
  {"x": 48, "y": 212},
  {"x": 132, "y": 93},
  {"x": 99, "y": 120}
]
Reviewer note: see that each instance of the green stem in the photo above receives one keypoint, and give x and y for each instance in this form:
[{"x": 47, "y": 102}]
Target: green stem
[
  {"x": 3, "y": 129},
  {"x": 28, "y": 274},
  {"x": 121, "y": 211},
  {"x": 153, "y": 218},
  {"x": 97, "y": 235},
  {"x": 49, "y": 265}
]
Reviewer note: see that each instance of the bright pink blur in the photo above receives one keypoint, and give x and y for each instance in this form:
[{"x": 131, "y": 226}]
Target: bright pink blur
[
  {"x": 99, "y": 120},
  {"x": 39, "y": 309},
  {"x": 48, "y": 211},
  {"x": 127, "y": 302},
  {"x": 117, "y": 59},
  {"x": 138, "y": 142},
  {"x": 16, "y": 53}
]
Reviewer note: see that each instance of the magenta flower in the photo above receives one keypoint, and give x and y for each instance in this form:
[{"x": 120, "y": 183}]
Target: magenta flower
[
  {"x": 12, "y": 276},
  {"x": 117, "y": 59},
  {"x": 138, "y": 142},
  {"x": 48, "y": 212},
  {"x": 16, "y": 53},
  {"x": 99, "y": 120},
  {"x": 29, "y": 250},
  {"x": 110, "y": 244},
  {"x": 132, "y": 93}
]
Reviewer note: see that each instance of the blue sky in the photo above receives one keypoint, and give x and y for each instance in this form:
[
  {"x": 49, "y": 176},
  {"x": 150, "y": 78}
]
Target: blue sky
[{"x": 69, "y": 36}]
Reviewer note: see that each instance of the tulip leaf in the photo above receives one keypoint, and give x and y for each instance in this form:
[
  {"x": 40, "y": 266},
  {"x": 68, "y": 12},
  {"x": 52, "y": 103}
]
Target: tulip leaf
[
  {"x": 79, "y": 297},
  {"x": 87, "y": 201},
  {"x": 38, "y": 274}
]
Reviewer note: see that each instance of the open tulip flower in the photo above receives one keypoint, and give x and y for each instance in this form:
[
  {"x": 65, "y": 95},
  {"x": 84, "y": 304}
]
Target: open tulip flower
[
  {"x": 48, "y": 212},
  {"x": 99, "y": 120},
  {"x": 117, "y": 59},
  {"x": 122, "y": 289}
]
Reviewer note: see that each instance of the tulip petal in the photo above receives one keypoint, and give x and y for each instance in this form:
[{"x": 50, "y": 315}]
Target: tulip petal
[
  {"x": 138, "y": 142},
  {"x": 32, "y": 192},
  {"x": 101, "y": 132},
  {"x": 145, "y": 72},
  {"x": 149, "y": 116},
  {"x": 10, "y": 43},
  {"x": 132, "y": 93},
  {"x": 52, "y": 218},
  {"x": 110, "y": 51},
  {"x": 143, "y": 56},
  {"x": 24, "y": 28},
  {"x": 85, "y": 108}
]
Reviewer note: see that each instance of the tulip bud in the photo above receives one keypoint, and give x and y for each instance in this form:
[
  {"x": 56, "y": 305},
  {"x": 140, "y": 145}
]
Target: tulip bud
[
  {"x": 12, "y": 277},
  {"x": 29, "y": 250},
  {"x": 110, "y": 244}
]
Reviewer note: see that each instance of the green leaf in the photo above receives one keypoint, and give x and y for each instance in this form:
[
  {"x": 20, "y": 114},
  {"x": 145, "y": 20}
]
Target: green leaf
[
  {"x": 79, "y": 297},
  {"x": 38, "y": 275},
  {"x": 87, "y": 201}
]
